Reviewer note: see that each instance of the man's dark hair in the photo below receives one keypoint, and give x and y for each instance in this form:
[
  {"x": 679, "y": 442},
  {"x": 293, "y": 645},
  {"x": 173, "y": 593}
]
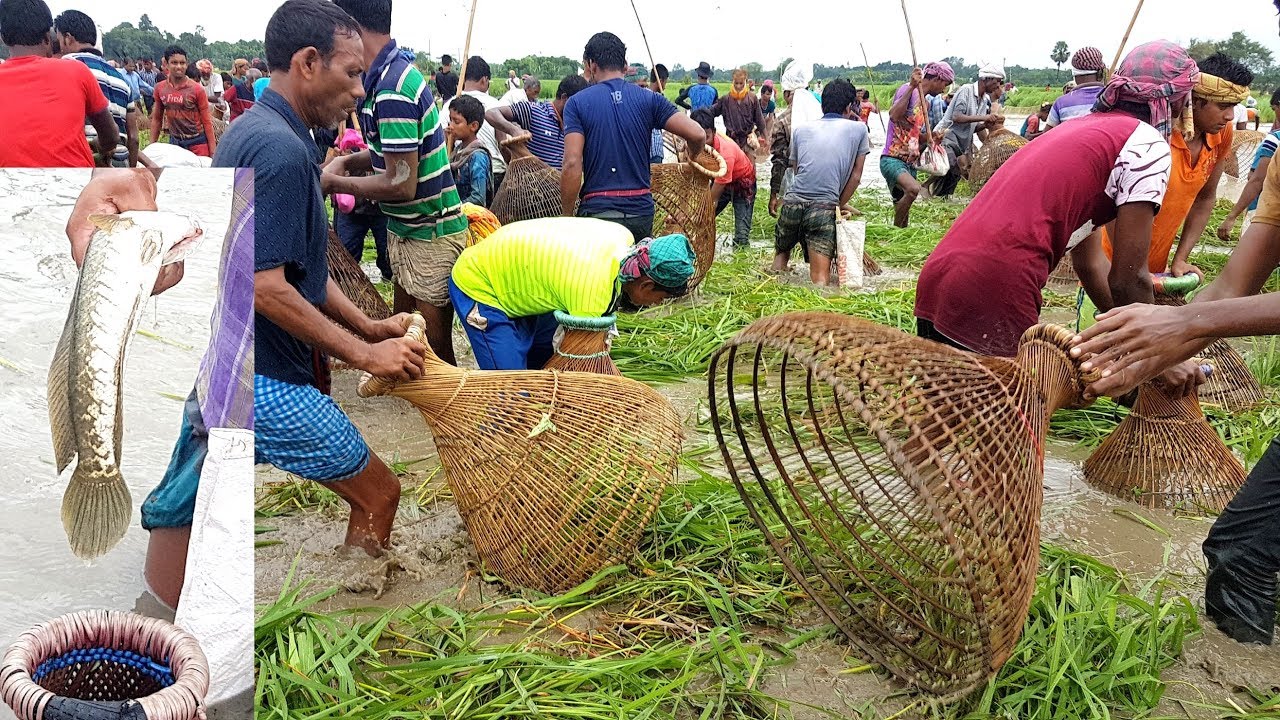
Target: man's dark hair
[
  {"x": 659, "y": 72},
  {"x": 193, "y": 72},
  {"x": 570, "y": 85},
  {"x": 299, "y": 24},
  {"x": 704, "y": 117},
  {"x": 446, "y": 59},
  {"x": 1223, "y": 66},
  {"x": 606, "y": 50},
  {"x": 227, "y": 80},
  {"x": 471, "y": 109},
  {"x": 77, "y": 25},
  {"x": 838, "y": 95},
  {"x": 175, "y": 50},
  {"x": 24, "y": 22},
  {"x": 1275, "y": 96},
  {"x": 477, "y": 69},
  {"x": 372, "y": 15}
]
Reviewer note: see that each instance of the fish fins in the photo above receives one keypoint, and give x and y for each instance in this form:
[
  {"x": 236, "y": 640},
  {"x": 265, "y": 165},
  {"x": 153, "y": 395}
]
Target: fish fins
[
  {"x": 110, "y": 223},
  {"x": 58, "y": 400},
  {"x": 96, "y": 508}
]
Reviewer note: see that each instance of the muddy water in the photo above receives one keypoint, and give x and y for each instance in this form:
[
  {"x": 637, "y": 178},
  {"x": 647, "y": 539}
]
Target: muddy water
[{"x": 39, "y": 577}]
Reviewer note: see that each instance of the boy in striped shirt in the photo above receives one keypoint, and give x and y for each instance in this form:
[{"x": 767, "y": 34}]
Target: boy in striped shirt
[
  {"x": 542, "y": 120},
  {"x": 426, "y": 229},
  {"x": 76, "y": 35}
]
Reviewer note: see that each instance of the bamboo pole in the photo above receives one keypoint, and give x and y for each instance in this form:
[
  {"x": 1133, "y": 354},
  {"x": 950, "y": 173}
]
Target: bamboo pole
[
  {"x": 871, "y": 83},
  {"x": 1123, "y": 41},
  {"x": 462, "y": 71},
  {"x": 652, "y": 65},
  {"x": 928, "y": 127}
]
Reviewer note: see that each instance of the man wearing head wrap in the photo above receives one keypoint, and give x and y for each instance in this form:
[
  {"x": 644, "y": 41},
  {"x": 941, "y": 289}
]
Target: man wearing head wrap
[
  {"x": 968, "y": 113},
  {"x": 981, "y": 287},
  {"x": 1198, "y": 160},
  {"x": 1087, "y": 70},
  {"x": 902, "y": 148},
  {"x": 507, "y": 287},
  {"x": 210, "y": 81}
]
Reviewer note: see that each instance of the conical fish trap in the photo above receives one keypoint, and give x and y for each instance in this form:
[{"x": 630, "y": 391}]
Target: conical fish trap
[
  {"x": 899, "y": 480},
  {"x": 1166, "y": 455},
  {"x": 556, "y": 474},
  {"x": 584, "y": 346},
  {"x": 1232, "y": 384},
  {"x": 105, "y": 665},
  {"x": 996, "y": 151},
  {"x": 1243, "y": 146},
  {"x": 682, "y": 194},
  {"x": 530, "y": 189},
  {"x": 1065, "y": 272},
  {"x": 354, "y": 283}
]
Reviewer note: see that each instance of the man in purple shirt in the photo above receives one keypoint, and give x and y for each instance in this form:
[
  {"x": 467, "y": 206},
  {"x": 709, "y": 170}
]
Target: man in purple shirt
[{"x": 1088, "y": 70}]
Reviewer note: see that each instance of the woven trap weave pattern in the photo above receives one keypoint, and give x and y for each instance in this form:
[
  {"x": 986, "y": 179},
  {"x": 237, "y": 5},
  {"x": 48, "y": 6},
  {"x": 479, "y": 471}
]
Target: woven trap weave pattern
[
  {"x": 556, "y": 474},
  {"x": 354, "y": 283},
  {"x": 899, "y": 480},
  {"x": 1232, "y": 384},
  {"x": 530, "y": 189},
  {"x": 1065, "y": 272},
  {"x": 1166, "y": 455},
  {"x": 996, "y": 151},
  {"x": 1244, "y": 144},
  {"x": 682, "y": 195},
  {"x": 584, "y": 346},
  {"x": 118, "y": 659}
]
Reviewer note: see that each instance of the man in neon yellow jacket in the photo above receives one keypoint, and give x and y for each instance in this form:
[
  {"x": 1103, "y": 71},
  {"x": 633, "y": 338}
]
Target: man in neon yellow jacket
[{"x": 507, "y": 288}]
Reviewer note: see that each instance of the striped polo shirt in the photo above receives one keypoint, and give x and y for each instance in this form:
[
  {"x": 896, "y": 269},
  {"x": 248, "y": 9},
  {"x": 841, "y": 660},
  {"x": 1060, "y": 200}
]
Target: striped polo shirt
[
  {"x": 547, "y": 141},
  {"x": 399, "y": 116},
  {"x": 115, "y": 86}
]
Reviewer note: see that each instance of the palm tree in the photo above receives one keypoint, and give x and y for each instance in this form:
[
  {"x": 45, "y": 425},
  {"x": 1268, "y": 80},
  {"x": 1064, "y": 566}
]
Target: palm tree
[{"x": 1060, "y": 54}]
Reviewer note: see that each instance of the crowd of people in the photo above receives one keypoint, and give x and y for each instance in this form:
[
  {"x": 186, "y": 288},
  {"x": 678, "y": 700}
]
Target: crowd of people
[{"x": 1136, "y": 158}]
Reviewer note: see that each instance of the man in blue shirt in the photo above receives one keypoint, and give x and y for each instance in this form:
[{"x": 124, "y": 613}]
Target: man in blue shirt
[
  {"x": 300, "y": 314},
  {"x": 608, "y": 127},
  {"x": 700, "y": 95},
  {"x": 76, "y": 35},
  {"x": 140, "y": 86}
]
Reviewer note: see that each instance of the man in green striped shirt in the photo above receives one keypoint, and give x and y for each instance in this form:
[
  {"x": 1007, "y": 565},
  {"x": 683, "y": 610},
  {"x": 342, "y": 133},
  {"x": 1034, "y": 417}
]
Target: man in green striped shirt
[
  {"x": 507, "y": 287},
  {"x": 426, "y": 228}
]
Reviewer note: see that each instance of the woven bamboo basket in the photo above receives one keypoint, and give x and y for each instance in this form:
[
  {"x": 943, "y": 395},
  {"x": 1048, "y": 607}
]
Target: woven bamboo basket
[
  {"x": 682, "y": 194},
  {"x": 105, "y": 665},
  {"x": 1243, "y": 146},
  {"x": 531, "y": 188},
  {"x": 1065, "y": 272},
  {"x": 354, "y": 283},
  {"x": 1166, "y": 455},
  {"x": 1232, "y": 384},
  {"x": 899, "y": 481},
  {"x": 556, "y": 474},
  {"x": 996, "y": 151},
  {"x": 584, "y": 346}
]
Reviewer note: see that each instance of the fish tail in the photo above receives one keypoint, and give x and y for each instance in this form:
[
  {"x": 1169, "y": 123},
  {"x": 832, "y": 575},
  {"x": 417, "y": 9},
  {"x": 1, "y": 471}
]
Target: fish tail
[{"x": 95, "y": 510}]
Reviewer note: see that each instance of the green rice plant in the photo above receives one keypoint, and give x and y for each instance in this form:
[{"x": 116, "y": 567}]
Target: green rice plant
[
  {"x": 1264, "y": 361},
  {"x": 293, "y": 495},
  {"x": 1092, "y": 647}
]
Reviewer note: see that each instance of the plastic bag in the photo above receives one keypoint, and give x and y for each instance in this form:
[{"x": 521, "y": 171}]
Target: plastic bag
[
  {"x": 851, "y": 238},
  {"x": 934, "y": 161}
]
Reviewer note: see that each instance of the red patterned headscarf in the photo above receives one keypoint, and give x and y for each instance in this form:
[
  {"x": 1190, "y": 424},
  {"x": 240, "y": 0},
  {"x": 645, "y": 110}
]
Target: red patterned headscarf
[{"x": 1160, "y": 74}]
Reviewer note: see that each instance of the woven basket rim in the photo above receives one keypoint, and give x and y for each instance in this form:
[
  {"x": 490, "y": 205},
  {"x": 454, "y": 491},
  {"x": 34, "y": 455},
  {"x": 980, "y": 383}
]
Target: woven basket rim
[
  {"x": 152, "y": 637},
  {"x": 579, "y": 322}
]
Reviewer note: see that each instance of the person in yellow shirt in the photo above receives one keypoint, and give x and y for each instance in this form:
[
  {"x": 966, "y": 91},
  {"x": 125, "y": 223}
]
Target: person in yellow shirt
[{"x": 507, "y": 287}]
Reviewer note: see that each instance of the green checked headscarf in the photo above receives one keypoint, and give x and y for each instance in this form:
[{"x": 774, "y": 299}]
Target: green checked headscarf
[{"x": 667, "y": 260}]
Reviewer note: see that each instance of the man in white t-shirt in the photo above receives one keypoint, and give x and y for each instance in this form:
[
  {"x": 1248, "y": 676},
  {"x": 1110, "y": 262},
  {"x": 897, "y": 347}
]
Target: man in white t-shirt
[
  {"x": 476, "y": 84},
  {"x": 529, "y": 90},
  {"x": 512, "y": 82}
]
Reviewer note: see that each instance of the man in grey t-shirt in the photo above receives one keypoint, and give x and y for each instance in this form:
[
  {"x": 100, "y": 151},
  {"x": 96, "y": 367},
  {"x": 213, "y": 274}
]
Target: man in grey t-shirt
[
  {"x": 969, "y": 110},
  {"x": 827, "y": 156}
]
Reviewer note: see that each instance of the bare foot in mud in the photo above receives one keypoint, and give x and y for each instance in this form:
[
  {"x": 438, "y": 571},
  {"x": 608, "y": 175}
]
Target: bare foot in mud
[{"x": 373, "y": 495}]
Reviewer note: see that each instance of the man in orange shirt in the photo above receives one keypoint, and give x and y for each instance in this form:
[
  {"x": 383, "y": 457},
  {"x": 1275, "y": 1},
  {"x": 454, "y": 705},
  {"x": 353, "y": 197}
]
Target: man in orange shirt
[{"x": 1199, "y": 154}]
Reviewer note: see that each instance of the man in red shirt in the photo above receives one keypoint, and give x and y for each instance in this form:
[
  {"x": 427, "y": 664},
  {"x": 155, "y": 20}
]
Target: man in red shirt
[
  {"x": 739, "y": 178},
  {"x": 186, "y": 106},
  {"x": 981, "y": 287},
  {"x": 46, "y": 102}
]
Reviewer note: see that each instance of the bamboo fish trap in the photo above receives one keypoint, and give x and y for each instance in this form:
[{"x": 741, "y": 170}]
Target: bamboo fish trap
[
  {"x": 530, "y": 189},
  {"x": 1244, "y": 144},
  {"x": 682, "y": 194},
  {"x": 105, "y": 665},
  {"x": 996, "y": 151},
  {"x": 1231, "y": 384},
  {"x": 899, "y": 480},
  {"x": 1166, "y": 455},
  {"x": 556, "y": 474},
  {"x": 584, "y": 346},
  {"x": 354, "y": 283}
]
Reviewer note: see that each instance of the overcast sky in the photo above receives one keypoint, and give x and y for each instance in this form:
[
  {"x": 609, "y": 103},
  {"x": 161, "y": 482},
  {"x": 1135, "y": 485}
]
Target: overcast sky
[{"x": 728, "y": 32}]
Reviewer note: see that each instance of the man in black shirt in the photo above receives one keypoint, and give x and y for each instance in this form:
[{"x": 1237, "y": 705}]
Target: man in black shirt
[{"x": 446, "y": 79}]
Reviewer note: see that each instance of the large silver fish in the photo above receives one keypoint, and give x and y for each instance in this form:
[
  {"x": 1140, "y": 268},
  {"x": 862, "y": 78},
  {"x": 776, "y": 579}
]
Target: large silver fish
[{"x": 85, "y": 380}]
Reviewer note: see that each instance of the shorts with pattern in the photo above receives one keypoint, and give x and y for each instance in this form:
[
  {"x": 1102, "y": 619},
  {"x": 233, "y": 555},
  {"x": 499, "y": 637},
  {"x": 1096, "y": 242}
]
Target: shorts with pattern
[
  {"x": 302, "y": 431},
  {"x": 423, "y": 267},
  {"x": 811, "y": 225},
  {"x": 892, "y": 167}
]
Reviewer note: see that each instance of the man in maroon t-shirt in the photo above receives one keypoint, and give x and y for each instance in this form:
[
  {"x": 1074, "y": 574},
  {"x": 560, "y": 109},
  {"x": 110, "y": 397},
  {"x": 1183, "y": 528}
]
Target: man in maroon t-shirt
[
  {"x": 185, "y": 105},
  {"x": 981, "y": 287}
]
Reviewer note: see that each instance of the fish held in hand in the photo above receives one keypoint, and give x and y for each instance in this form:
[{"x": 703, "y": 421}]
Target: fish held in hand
[{"x": 85, "y": 385}]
